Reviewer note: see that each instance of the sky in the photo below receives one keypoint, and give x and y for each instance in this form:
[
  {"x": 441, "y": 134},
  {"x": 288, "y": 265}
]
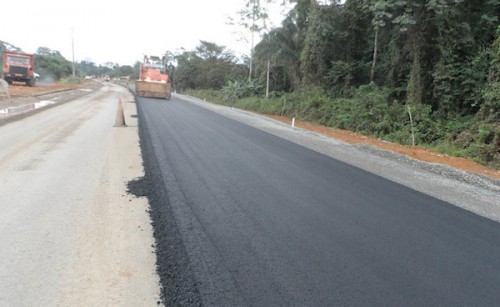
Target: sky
[{"x": 122, "y": 31}]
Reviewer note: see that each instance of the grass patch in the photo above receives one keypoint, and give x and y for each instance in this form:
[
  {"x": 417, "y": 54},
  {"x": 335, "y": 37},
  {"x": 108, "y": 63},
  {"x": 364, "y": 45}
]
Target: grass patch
[{"x": 70, "y": 80}]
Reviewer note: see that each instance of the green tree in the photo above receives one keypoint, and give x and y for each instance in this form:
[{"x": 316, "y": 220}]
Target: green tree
[
  {"x": 461, "y": 65},
  {"x": 51, "y": 64},
  {"x": 381, "y": 13},
  {"x": 490, "y": 109},
  {"x": 284, "y": 46},
  {"x": 208, "y": 66},
  {"x": 253, "y": 17},
  {"x": 87, "y": 68},
  {"x": 318, "y": 46}
]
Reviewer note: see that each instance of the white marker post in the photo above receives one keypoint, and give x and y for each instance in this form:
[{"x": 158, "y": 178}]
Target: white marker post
[{"x": 293, "y": 122}]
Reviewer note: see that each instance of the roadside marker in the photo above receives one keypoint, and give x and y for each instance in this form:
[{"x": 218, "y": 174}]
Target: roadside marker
[{"x": 293, "y": 122}]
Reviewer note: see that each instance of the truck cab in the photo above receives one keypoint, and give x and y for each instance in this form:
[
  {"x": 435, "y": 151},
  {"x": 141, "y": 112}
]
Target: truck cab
[{"x": 19, "y": 67}]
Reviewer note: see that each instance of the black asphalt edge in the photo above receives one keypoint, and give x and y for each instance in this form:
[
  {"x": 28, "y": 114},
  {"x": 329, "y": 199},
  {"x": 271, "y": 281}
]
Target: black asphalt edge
[{"x": 177, "y": 281}]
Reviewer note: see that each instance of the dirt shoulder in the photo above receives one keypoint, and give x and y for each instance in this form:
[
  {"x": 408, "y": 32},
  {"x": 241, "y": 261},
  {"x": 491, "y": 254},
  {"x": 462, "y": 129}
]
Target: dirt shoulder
[
  {"x": 41, "y": 88},
  {"x": 26, "y": 101},
  {"x": 21, "y": 94}
]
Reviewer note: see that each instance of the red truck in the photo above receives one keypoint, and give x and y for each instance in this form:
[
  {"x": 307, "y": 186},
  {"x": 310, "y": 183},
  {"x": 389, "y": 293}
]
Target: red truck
[{"x": 20, "y": 67}]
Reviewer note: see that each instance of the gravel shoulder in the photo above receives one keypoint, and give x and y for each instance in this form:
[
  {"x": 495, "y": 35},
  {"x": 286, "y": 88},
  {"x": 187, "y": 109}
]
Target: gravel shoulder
[
  {"x": 116, "y": 263},
  {"x": 474, "y": 192}
]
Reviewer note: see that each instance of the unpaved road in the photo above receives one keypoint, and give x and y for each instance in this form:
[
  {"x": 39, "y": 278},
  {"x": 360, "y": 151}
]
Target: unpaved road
[
  {"x": 245, "y": 217},
  {"x": 27, "y": 101},
  {"x": 70, "y": 234}
]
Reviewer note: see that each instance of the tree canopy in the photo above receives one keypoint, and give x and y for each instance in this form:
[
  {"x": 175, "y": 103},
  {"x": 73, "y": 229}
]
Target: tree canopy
[
  {"x": 207, "y": 66},
  {"x": 434, "y": 52}
]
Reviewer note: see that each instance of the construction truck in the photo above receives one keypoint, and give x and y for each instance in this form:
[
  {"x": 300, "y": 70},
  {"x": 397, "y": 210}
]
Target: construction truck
[
  {"x": 20, "y": 67},
  {"x": 154, "y": 80}
]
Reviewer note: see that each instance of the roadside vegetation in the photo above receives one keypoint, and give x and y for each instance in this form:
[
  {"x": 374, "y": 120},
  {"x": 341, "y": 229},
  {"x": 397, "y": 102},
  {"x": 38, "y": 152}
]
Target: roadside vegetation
[{"x": 366, "y": 66}]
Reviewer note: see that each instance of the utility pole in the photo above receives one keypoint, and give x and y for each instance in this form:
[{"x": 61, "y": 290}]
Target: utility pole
[
  {"x": 73, "y": 52},
  {"x": 252, "y": 30},
  {"x": 268, "y": 64},
  {"x": 267, "y": 81}
]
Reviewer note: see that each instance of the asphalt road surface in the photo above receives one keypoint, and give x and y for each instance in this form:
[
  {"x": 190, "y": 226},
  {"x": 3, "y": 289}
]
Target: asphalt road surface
[{"x": 244, "y": 218}]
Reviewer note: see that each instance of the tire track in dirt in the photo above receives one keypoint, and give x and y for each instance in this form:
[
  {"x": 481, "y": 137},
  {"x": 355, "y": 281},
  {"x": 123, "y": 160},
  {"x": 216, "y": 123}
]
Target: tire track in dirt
[{"x": 58, "y": 129}]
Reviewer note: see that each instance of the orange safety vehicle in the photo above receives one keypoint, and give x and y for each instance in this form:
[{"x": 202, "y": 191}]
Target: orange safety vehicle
[
  {"x": 19, "y": 66},
  {"x": 154, "y": 80}
]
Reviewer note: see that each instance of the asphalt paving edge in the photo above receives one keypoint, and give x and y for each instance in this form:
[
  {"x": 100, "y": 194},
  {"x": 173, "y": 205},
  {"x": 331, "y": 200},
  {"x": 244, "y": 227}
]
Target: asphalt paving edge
[{"x": 178, "y": 284}]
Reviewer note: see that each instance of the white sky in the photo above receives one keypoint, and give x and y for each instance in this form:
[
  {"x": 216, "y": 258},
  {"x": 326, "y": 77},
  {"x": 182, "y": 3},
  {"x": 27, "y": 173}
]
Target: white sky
[{"x": 121, "y": 31}]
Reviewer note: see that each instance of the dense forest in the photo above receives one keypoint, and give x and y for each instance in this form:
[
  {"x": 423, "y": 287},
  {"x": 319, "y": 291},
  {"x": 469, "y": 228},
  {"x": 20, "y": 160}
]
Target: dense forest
[{"x": 366, "y": 66}]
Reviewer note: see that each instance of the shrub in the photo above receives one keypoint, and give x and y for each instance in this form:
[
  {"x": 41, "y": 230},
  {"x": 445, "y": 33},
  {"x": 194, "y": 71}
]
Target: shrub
[{"x": 241, "y": 89}]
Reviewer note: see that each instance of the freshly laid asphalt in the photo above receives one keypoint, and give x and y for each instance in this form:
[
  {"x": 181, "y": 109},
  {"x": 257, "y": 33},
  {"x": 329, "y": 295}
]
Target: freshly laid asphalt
[{"x": 244, "y": 218}]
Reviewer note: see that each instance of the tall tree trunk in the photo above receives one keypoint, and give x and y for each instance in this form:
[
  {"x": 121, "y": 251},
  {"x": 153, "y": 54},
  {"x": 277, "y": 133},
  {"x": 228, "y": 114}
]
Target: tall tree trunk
[
  {"x": 415, "y": 86},
  {"x": 267, "y": 77},
  {"x": 251, "y": 58},
  {"x": 414, "y": 90},
  {"x": 375, "y": 48},
  {"x": 294, "y": 73}
]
